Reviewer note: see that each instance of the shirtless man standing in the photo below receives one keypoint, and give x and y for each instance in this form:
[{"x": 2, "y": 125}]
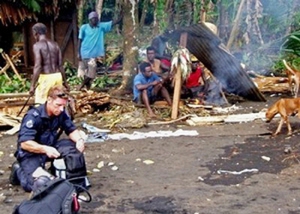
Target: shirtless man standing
[{"x": 48, "y": 69}]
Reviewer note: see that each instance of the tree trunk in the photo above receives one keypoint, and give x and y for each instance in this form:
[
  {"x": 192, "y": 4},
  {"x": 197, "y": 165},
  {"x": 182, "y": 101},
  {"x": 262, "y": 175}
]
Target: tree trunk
[
  {"x": 144, "y": 13},
  {"x": 99, "y": 8},
  {"x": 155, "y": 29},
  {"x": 234, "y": 30},
  {"x": 118, "y": 8},
  {"x": 254, "y": 10},
  {"x": 130, "y": 49},
  {"x": 223, "y": 21},
  {"x": 80, "y": 12}
]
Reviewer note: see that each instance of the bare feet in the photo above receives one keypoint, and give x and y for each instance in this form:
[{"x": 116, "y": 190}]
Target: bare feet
[{"x": 152, "y": 115}]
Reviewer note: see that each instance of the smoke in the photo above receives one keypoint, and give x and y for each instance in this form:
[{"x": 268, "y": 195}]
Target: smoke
[{"x": 274, "y": 25}]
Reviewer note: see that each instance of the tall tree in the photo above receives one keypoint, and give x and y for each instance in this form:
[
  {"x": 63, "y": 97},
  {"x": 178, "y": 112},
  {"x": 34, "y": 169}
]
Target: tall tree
[
  {"x": 144, "y": 13},
  {"x": 130, "y": 49}
]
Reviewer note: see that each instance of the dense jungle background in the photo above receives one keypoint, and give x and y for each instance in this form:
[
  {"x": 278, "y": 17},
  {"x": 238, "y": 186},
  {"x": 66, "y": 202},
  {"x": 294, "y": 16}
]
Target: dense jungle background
[{"x": 259, "y": 33}]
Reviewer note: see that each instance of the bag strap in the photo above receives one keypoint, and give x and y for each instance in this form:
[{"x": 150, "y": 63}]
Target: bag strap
[
  {"x": 51, "y": 184},
  {"x": 84, "y": 190}
]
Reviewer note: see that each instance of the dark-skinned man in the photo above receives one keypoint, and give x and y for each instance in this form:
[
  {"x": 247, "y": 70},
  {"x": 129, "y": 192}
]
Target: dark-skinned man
[
  {"x": 147, "y": 86},
  {"x": 48, "y": 69},
  {"x": 91, "y": 47}
]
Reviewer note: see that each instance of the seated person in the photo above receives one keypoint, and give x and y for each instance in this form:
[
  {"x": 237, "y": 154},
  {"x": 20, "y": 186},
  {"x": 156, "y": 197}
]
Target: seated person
[
  {"x": 38, "y": 140},
  {"x": 159, "y": 43},
  {"x": 147, "y": 86},
  {"x": 194, "y": 84},
  {"x": 156, "y": 64}
]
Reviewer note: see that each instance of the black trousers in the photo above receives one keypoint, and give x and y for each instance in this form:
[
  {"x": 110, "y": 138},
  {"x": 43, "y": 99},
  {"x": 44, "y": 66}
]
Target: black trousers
[{"x": 74, "y": 161}]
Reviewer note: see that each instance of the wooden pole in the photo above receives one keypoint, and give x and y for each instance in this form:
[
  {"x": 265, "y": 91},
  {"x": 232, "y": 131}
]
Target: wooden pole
[
  {"x": 75, "y": 39},
  {"x": 52, "y": 30},
  {"x": 25, "y": 46},
  {"x": 7, "y": 58},
  {"x": 177, "y": 87},
  {"x": 176, "y": 96}
]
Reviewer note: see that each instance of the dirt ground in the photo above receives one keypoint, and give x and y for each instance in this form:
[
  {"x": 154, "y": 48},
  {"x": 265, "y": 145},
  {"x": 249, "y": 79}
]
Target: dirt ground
[{"x": 187, "y": 176}]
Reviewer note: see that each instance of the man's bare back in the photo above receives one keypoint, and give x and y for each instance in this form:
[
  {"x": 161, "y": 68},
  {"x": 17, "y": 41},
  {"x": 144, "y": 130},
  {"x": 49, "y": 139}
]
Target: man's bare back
[{"x": 48, "y": 52}]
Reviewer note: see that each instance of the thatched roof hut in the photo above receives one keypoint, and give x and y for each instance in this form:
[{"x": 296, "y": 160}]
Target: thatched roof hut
[{"x": 58, "y": 16}]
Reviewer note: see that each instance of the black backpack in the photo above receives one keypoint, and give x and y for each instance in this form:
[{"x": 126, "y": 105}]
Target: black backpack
[{"x": 58, "y": 196}]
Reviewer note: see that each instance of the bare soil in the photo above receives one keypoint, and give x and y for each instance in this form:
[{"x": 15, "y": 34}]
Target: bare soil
[{"x": 186, "y": 175}]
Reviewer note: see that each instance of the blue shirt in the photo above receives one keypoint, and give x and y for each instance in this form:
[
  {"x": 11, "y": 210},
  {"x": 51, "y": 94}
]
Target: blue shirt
[
  {"x": 141, "y": 79},
  {"x": 92, "y": 39},
  {"x": 39, "y": 127}
]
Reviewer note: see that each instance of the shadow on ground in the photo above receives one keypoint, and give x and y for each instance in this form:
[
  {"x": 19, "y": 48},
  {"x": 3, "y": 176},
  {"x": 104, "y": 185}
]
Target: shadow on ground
[{"x": 261, "y": 154}]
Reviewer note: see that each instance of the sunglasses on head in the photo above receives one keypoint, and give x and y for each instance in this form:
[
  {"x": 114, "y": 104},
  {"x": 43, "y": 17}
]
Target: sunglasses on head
[{"x": 62, "y": 95}]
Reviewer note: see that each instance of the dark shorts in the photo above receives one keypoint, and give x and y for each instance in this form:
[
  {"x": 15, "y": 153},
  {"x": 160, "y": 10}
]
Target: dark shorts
[{"x": 152, "y": 97}]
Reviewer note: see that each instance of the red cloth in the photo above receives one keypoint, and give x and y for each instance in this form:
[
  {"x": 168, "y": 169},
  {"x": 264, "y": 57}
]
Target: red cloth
[
  {"x": 193, "y": 79},
  {"x": 166, "y": 62}
]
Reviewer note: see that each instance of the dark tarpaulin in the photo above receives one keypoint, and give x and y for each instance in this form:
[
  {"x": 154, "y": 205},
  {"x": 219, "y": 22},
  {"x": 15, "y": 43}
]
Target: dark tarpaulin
[{"x": 208, "y": 48}]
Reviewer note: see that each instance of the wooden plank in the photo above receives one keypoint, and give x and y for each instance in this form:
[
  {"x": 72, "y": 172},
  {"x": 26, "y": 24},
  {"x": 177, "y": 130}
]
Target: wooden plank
[
  {"x": 18, "y": 103},
  {"x": 26, "y": 94},
  {"x": 234, "y": 118},
  {"x": 13, "y": 130}
]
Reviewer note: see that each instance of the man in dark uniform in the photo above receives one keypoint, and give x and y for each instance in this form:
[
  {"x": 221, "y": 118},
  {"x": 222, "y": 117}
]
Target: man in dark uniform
[{"x": 38, "y": 139}]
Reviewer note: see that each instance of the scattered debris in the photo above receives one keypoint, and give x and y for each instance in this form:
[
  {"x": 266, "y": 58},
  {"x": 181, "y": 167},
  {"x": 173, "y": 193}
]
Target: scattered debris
[
  {"x": 272, "y": 84},
  {"x": 100, "y": 164},
  {"x": 93, "y": 129},
  {"x": 110, "y": 164},
  {"x": 148, "y": 162},
  {"x": 89, "y": 101},
  {"x": 142, "y": 135},
  {"x": 266, "y": 158},
  {"x": 114, "y": 168},
  {"x": 96, "y": 170},
  {"x": 237, "y": 173},
  {"x": 235, "y": 118},
  {"x": 287, "y": 149}
]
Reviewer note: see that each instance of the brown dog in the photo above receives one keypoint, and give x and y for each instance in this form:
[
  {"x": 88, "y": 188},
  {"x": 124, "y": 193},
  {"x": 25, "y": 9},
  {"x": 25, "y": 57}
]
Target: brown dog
[
  {"x": 294, "y": 79},
  {"x": 285, "y": 107}
]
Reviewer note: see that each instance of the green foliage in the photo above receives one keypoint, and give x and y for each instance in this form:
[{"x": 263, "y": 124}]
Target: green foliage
[
  {"x": 71, "y": 74},
  {"x": 15, "y": 86},
  {"x": 104, "y": 81},
  {"x": 196, "y": 14},
  {"x": 161, "y": 15},
  {"x": 33, "y": 5},
  {"x": 292, "y": 44}
]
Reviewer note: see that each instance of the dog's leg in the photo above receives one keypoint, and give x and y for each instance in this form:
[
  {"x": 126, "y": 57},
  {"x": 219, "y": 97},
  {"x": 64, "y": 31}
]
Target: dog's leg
[
  {"x": 296, "y": 87},
  {"x": 279, "y": 127},
  {"x": 288, "y": 126}
]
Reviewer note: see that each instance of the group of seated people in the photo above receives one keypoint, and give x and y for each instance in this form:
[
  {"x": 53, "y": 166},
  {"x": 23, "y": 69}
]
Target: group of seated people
[{"x": 154, "y": 79}]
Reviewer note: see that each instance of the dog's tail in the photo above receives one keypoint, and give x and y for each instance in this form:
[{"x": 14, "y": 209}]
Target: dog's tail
[{"x": 289, "y": 69}]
